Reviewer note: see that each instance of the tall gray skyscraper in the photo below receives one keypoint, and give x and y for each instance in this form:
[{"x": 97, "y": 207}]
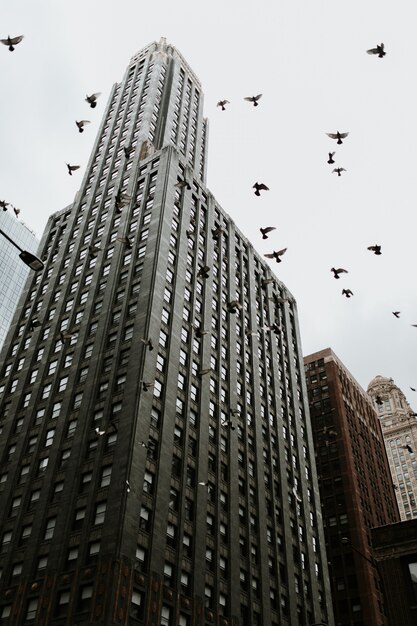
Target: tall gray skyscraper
[
  {"x": 13, "y": 272},
  {"x": 157, "y": 464}
]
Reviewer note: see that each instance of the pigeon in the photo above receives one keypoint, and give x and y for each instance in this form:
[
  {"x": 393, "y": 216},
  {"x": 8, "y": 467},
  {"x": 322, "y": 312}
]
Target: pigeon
[
  {"x": 148, "y": 343},
  {"x": 16, "y": 211},
  {"x": 64, "y": 336},
  {"x": 143, "y": 444},
  {"x": 229, "y": 424},
  {"x": 128, "y": 151},
  {"x": 274, "y": 328},
  {"x": 276, "y": 255},
  {"x": 81, "y": 124},
  {"x": 375, "y": 249},
  {"x": 259, "y": 187},
  {"x": 412, "y": 388},
  {"x": 266, "y": 230},
  {"x": 331, "y": 155},
  {"x": 183, "y": 183},
  {"x": 408, "y": 447},
  {"x": 379, "y": 400},
  {"x": 222, "y": 104},
  {"x": 217, "y": 232},
  {"x": 99, "y": 432},
  {"x": 234, "y": 306},
  {"x": 267, "y": 281},
  {"x": 126, "y": 241},
  {"x": 396, "y": 314},
  {"x": 338, "y": 271},
  {"x": 379, "y": 50},
  {"x": 92, "y": 100},
  {"x": 203, "y": 272},
  {"x": 34, "y": 324},
  {"x": 122, "y": 199},
  {"x": 72, "y": 168},
  {"x": 339, "y": 170},
  {"x": 338, "y": 136},
  {"x": 202, "y": 483},
  {"x": 254, "y": 99},
  {"x": 202, "y": 373},
  {"x": 200, "y": 332},
  {"x": 11, "y": 41},
  {"x": 347, "y": 292},
  {"x": 93, "y": 250},
  {"x": 147, "y": 386},
  {"x": 4, "y": 205}
]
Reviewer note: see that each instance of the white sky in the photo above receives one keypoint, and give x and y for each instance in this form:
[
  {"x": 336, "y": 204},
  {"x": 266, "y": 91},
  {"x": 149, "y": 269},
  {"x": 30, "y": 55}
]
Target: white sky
[{"x": 309, "y": 60}]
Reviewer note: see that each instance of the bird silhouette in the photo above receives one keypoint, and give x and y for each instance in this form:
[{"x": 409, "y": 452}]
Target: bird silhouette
[
  {"x": 338, "y": 271},
  {"x": 259, "y": 187},
  {"x": 148, "y": 343},
  {"x": 4, "y": 205},
  {"x": 276, "y": 255},
  {"x": 204, "y": 271},
  {"x": 81, "y": 124},
  {"x": 339, "y": 170},
  {"x": 347, "y": 292},
  {"x": 254, "y": 99},
  {"x": 126, "y": 241},
  {"x": 234, "y": 306},
  {"x": 11, "y": 41},
  {"x": 338, "y": 136},
  {"x": 93, "y": 249},
  {"x": 202, "y": 373},
  {"x": 379, "y": 50},
  {"x": 331, "y": 155},
  {"x": 35, "y": 323},
  {"x": 222, "y": 104},
  {"x": 183, "y": 183},
  {"x": 92, "y": 100},
  {"x": 266, "y": 230},
  {"x": 147, "y": 386},
  {"x": 16, "y": 211},
  {"x": 375, "y": 249},
  {"x": 72, "y": 168},
  {"x": 128, "y": 151},
  {"x": 379, "y": 400},
  {"x": 412, "y": 388},
  {"x": 408, "y": 447},
  {"x": 396, "y": 314},
  {"x": 217, "y": 232}
]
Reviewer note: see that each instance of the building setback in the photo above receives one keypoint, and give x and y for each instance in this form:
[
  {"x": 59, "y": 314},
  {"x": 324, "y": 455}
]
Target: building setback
[
  {"x": 399, "y": 428},
  {"x": 13, "y": 272},
  {"x": 355, "y": 486},
  {"x": 157, "y": 464}
]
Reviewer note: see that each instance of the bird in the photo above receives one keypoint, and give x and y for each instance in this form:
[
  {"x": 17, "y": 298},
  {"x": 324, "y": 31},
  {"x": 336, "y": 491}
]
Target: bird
[
  {"x": 147, "y": 386},
  {"x": 415, "y": 325},
  {"x": 81, "y": 124},
  {"x": 11, "y": 41},
  {"x": 93, "y": 249},
  {"x": 278, "y": 299},
  {"x": 376, "y": 249},
  {"x": 65, "y": 335},
  {"x": 267, "y": 281},
  {"x": 204, "y": 372},
  {"x": 228, "y": 424},
  {"x": 379, "y": 400},
  {"x": 222, "y": 104},
  {"x": 16, "y": 211},
  {"x": 347, "y": 293},
  {"x": 203, "y": 272},
  {"x": 143, "y": 444},
  {"x": 408, "y": 447},
  {"x": 92, "y": 100},
  {"x": 396, "y": 314},
  {"x": 183, "y": 183},
  {"x": 331, "y": 155},
  {"x": 234, "y": 306},
  {"x": 122, "y": 199},
  {"x": 412, "y": 388},
  {"x": 72, "y": 168},
  {"x": 379, "y": 50},
  {"x": 254, "y": 99},
  {"x": 339, "y": 170},
  {"x": 338, "y": 136},
  {"x": 202, "y": 483},
  {"x": 99, "y": 432},
  {"x": 217, "y": 232},
  {"x": 338, "y": 271},
  {"x": 126, "y": 241},
  {"x": 128, "y": 150},
  {"x": 148, "y": 343},
  {"x": 34, "y": 324},
  {"x": 200, "y": 332},
  {"x": 4, "y": 205},
  {"x": 266, "y": 230},
  {"x": 259, "y": 187},
  {"x": 276, "y": 255}
]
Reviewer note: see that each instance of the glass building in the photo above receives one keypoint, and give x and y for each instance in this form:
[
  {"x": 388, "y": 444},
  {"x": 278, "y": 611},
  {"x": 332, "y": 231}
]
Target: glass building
[
  {"x": 156, "y": 462},
  {"x": 13, "y": 272}
]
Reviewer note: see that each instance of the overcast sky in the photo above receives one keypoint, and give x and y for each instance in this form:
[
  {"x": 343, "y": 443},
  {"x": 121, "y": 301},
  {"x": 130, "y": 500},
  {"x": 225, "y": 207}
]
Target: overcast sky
[{"x": 309, "y": 61}]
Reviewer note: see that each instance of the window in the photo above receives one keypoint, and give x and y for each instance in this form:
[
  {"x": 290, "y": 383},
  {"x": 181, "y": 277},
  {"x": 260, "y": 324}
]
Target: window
[
  {"x": 50, "y": 527},
  {"x": 106, "y": 476},
  {"x": 63, "y": 383},
  {"x": 100, "y": 513}
]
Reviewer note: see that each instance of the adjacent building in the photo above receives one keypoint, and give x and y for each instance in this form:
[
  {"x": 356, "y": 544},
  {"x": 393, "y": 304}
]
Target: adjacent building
[
  {"x": 13, "y": 272},
  {"x": 399, "y": 428},
  {"x": 355, "y": 486},
  {"x": 156, "y": 460}
]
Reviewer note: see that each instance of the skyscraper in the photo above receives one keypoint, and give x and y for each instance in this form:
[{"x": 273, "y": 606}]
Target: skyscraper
[
  {"x": 156, "y": 461},
  {"x": 399, "y": 428},
  {"x": 355, "y": 486},
  {"x": 13, "y": 272}
]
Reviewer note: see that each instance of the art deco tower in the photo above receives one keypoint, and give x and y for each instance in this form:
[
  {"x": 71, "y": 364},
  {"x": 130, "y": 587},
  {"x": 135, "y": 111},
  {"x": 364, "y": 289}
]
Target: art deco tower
[
  {"x": 399, "y": 427},
  {"x": 156, "y": 456}
]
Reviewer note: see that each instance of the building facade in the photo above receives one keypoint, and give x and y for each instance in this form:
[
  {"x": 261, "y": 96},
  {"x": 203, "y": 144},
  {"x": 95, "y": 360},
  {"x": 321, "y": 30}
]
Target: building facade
[
  {"x": 355, "y": 486},
  {"x": 399, "y": 428},
  {"x": 157, "y": 464},
  {"x": 13, "y": 272}
]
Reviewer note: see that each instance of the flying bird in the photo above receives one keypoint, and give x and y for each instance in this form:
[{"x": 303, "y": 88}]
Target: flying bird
[
  {"x": 222, "y": 104},
  {"x": 11, "y": 41},
  {"x": 267, "y": 281},
  {"x": 347, "y": 292},
  {"x": 81, "y": 124},
  {"x": 379, "y": 400},
  {"x": 217, "y": 232},
  {"x": 266, "y": 230},
  {"x": 126, "y": 241},
  {"x": 34, "y": 324},
  {"x": 379, "y": 50},
  {"x": 202, "y": 373},
  {"x": 338, "y": 136},
  {"x": 396, "y": 313},
  {"x": 331, "y": 155},
  {"x": 92, "y": 100},
  {"x": 259, "y": 187},
  {"x": 183, "y": 183},
  {"x": 148, "y": 343},
  {"x": 99, "y": 432},
  {"x": 276, "y": 255},
  {"x": 128, "y": 151},
  {"x": 228, "y": 424},
  {"x": 375, "y": 249},
  {"x": 412, "y": 388},
  {"x": 254, "y": 99},
  {"x": 16, "y": 211},
  {"x": 147, "y": 386},
  {"x": 338, "y": 271},
  {"x": 204, "y": 271},
  {"x": 122, "y": 199},
  {"x": 93, "y": 249},
  {"x": 408, "y": 447},
  {"x": 234, "y": 306},
  {"x": 4, "y": 205},
  {"x": 72, "y": 168},
  {"x": 339, "y": 170}
]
